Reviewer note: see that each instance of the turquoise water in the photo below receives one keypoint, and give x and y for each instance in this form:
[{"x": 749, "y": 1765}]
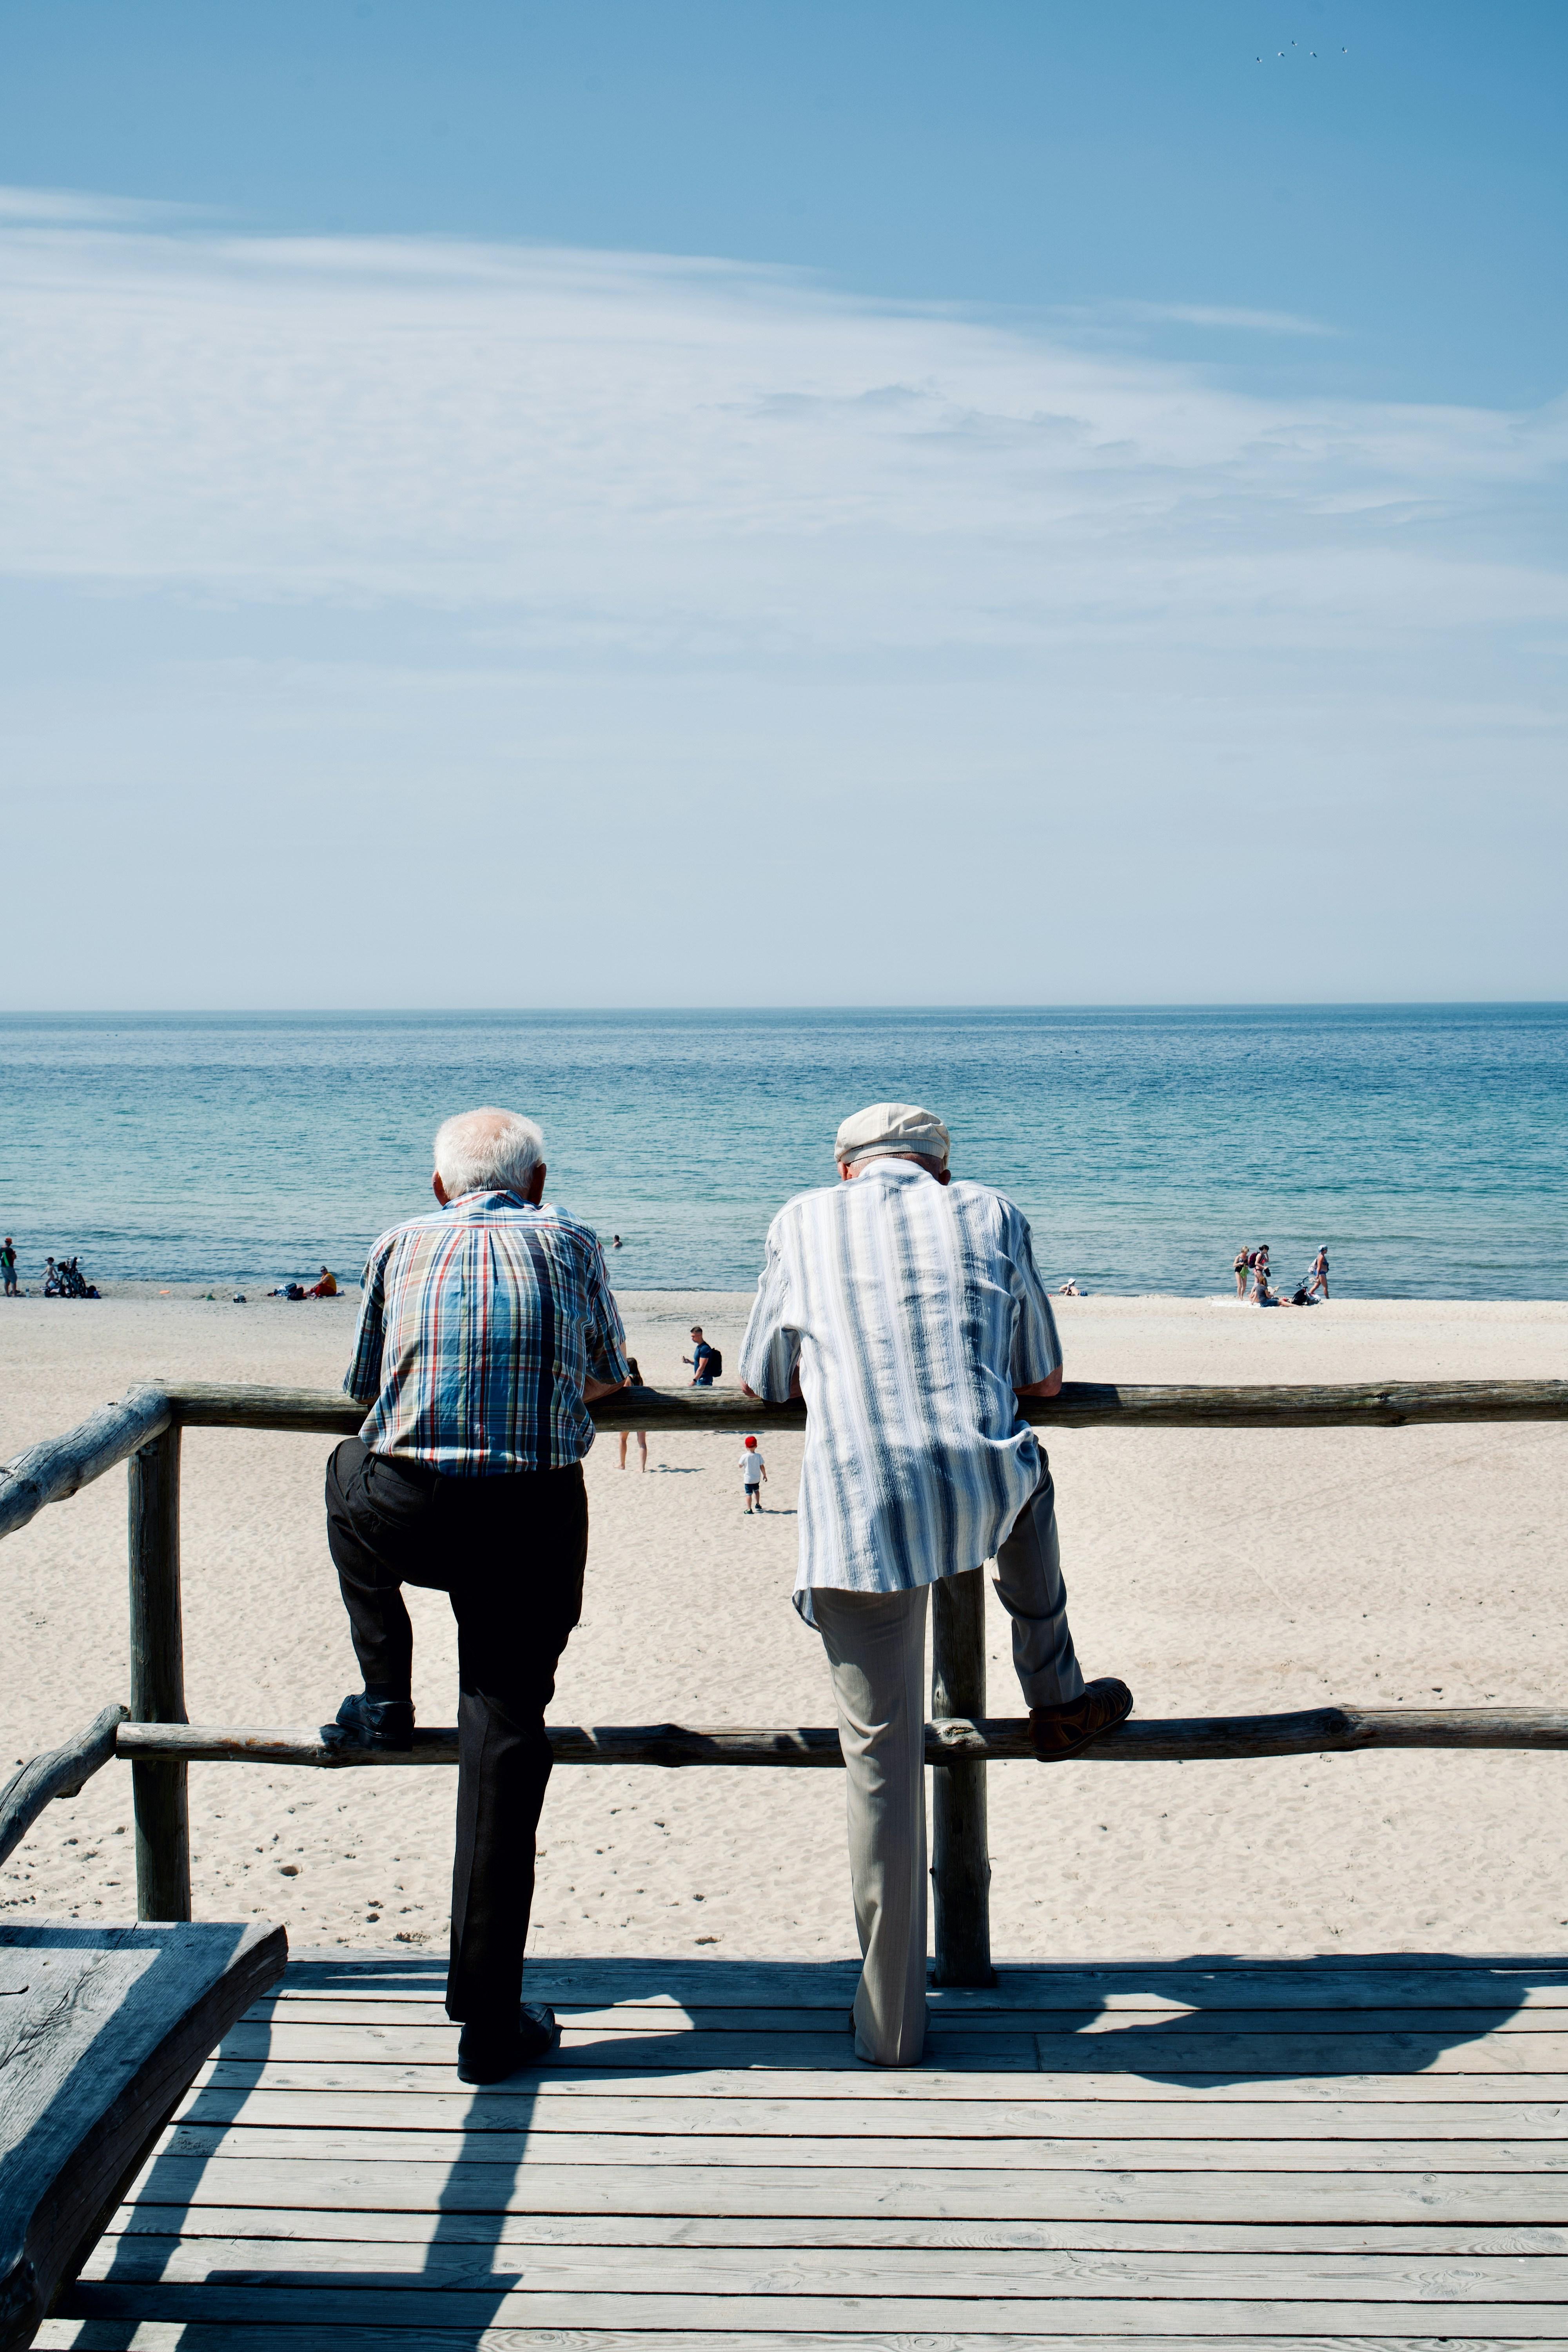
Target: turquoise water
[{"x": 1424, "y": 1144}]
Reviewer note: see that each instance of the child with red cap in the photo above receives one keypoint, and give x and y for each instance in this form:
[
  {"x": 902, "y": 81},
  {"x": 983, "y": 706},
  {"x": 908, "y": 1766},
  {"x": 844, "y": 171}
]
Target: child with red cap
[{"x": 753, "y": 1470}]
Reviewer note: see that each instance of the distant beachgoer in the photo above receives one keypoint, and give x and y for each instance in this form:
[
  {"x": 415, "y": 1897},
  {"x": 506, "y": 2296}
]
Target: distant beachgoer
[
  {"x": 634, "y": 1376},
  {"x": 1261, "y": 1294},
  {"x": 701, "y": 1360},
  {"x": 614, "y": 1240},
  {"x": 8, "y": 1267},
  {"x": 1240, "y": 1267},
  {"x": 1319, "y": 1279},
  {"x": 753, "y": 1471},
  {"x": 1068, "y": 1290},
  {"x": 327, "y": 1288}
]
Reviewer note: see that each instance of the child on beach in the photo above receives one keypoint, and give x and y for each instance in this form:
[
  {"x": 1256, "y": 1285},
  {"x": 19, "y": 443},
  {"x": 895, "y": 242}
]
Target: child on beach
[{"x": 753, "y": 1471}]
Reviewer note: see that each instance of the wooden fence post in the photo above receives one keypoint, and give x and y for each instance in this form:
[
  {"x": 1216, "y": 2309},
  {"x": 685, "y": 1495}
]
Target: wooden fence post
[
  {"x": 158, "y": 1679},
  {"x": 961, "y": 1861}
]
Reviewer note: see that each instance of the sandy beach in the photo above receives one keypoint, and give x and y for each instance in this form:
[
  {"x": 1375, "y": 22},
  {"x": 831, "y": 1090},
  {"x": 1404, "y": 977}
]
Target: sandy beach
[{"x": 1216, "y": 1572}]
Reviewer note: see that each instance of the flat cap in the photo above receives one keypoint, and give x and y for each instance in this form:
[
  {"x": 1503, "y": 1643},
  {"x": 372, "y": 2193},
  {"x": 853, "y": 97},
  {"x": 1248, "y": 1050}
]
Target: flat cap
[{"x": 893, "y": 1127}]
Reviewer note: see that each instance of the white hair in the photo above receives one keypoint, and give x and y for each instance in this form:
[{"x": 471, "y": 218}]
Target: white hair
[{"x": 487, "y": 1151}]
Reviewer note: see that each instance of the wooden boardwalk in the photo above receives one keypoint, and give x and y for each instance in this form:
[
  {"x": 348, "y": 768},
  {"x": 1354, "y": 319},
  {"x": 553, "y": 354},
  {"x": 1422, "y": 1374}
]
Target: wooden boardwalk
[{"x": 1295, "y": 2153}]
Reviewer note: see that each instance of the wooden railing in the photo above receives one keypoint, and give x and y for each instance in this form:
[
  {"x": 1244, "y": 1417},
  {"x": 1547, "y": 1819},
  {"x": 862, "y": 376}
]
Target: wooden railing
[{"x": 161, "y": 1744}]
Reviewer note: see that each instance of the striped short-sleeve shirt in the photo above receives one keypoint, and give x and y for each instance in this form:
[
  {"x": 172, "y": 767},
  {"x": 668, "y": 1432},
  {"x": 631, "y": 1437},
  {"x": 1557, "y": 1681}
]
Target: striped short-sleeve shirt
[
  {"x": 479, "y": 1325},
  {"x": 913, "y": 1310}
]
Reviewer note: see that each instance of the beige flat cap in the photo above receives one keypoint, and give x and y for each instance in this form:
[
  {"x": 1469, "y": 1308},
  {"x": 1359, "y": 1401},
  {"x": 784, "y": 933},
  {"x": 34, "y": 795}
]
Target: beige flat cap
[{"x": 891, "y": 1126}]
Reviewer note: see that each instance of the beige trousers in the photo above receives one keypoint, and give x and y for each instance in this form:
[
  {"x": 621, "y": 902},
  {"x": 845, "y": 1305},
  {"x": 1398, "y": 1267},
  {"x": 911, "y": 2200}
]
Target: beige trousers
[{"x": 875, "y": 1649}]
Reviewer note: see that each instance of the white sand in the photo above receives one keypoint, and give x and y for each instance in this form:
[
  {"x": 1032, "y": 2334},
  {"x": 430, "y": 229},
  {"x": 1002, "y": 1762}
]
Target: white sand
[{"x": 1216, "y": 1573}]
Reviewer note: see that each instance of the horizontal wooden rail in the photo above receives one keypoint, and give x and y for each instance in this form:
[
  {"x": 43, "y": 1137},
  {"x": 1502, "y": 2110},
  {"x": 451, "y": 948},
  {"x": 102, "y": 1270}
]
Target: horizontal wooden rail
[
  {"x": 60, "y": 1773},
  {"x": 49, "y": 1472},
  {"x": 1082, "y": 1404},
  {"x": 956, "y": 1740}
]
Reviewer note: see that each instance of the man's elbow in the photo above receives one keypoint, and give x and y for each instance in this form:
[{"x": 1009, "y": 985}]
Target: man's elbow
[{"x": 1046, "y": 1388}]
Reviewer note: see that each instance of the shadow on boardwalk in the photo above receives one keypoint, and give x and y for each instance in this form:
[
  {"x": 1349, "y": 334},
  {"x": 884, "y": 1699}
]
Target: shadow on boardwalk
[{"x": 1203, "y": 2026}]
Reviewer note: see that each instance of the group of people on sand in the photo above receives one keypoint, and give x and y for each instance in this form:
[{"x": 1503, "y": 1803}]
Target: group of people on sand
[
  {"x": 1251, "y": 1266},
  {"x": 903, "y": 1305}
]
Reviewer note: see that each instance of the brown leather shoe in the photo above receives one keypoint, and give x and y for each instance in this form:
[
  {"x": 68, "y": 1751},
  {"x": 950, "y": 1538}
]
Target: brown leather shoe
[{"x": 1058, "y": 1732}]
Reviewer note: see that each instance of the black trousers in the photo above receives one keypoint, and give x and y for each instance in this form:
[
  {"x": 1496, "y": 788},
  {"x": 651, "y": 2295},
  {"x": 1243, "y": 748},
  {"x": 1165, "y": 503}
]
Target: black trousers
[{"x": 510, "y": 1553}]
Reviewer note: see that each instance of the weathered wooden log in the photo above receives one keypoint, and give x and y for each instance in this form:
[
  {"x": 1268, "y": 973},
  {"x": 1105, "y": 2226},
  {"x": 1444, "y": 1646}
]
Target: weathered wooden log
[
  {"x": 961, "y": 1857},
  {"x": 1082, "y": 1405},
  {"x": 158, "y": 1679},
  {"x": 59, "y": 1773},
  {"x": 999, "y": 1740},
  {"x": 55, "y": 1468}
]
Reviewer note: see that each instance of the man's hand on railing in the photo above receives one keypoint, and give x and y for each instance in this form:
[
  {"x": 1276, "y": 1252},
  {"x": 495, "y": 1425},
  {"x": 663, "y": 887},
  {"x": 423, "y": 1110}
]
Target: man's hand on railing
[{"x": 593, "y": 1390}]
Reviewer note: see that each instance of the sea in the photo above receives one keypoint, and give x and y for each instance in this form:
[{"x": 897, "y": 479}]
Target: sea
[{"x": 1424, "y": 1144}]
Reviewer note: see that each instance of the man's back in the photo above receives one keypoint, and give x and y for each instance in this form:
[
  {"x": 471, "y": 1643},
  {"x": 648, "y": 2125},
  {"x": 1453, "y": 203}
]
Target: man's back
[
  {"x": 480, "y": 1324},
  {"x": 914, "y": 1310}
]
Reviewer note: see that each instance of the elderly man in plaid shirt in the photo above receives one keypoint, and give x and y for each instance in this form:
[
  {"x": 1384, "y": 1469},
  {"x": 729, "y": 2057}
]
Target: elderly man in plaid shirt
[{"x": 487, "y": 1328}]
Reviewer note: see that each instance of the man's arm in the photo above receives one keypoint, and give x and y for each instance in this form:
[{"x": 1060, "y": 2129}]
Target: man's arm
[
  {"x": 608, "y": 1370},
  {"x": 770, "y": 1352},
  {"x": 1037, "y": 1366},
  {"x": 362, "y": 1379}
]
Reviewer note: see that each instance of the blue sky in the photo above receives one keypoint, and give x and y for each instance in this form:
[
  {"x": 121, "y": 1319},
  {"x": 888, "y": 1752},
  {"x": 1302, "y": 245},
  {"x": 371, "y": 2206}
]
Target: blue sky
[{"x": 1002, "y": 503}]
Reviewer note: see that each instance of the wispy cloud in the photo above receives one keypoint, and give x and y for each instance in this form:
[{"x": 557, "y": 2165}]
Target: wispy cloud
[
  {"x": 1209, "y": 314},
  {"x": 609, "y": 441},
  {"x": 77, "y": 208}
]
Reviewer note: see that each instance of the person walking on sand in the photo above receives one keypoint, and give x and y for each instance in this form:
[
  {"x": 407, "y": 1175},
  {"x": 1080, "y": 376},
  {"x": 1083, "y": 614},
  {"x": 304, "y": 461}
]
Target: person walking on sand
[
  {"x": 701, "y": 1360},
  {"x": 486, "y": 1329},
  {"x": 1318, "y": 1278},
  {"x": 1239, "y": 1268},
  {"x": 8, "y": 1267},
  {"x": 753, "y": 1471},
  {"x": 634, "y": 1378},
  {"x": 908, "y": 1312}
]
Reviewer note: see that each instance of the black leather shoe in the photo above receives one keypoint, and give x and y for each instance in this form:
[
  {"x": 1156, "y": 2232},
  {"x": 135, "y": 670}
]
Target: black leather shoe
[
  {"x": 489, "y": 2054},
  {"x": 371, "y": 1723},
  {"x": 1057, "y": 1732}
]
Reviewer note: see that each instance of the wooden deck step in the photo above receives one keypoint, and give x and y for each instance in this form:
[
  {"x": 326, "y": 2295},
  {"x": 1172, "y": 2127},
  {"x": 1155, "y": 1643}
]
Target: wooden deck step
[{"x": 1324, "y": 2154}]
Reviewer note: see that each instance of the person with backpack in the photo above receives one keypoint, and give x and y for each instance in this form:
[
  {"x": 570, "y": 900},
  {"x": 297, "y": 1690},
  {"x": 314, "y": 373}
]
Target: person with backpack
[{"x": 706, "y": 1362}]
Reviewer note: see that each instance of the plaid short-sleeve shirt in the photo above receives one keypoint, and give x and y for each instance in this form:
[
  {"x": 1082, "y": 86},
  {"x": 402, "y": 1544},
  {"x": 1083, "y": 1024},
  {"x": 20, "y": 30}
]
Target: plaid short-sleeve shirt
[{"x": 479, "y": 1324}]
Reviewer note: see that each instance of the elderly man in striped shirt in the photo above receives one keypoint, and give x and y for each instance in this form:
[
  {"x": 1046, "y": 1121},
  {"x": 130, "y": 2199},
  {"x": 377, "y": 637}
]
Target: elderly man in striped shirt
[
  {"x": 487, "y": 1328},
  {"x": 908, "y": 1312}
]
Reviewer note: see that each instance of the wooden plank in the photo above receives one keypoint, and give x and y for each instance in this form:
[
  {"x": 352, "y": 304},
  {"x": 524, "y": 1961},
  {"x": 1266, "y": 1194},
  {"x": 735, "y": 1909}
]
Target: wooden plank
[
  {"x": 734, "y": 1984},
  {"x": 61, "y": 1466},
  {"x": 543, "y": 2107},
  {"x": 364, "y": 2304},
  {"x": 1014, "y": 2274},
  {"x": 952, "y": 1741},
  {"x": 1135, "y": 2028},
  {"x": 1260, "y": 2057},
  {"x": 61, "y": 1772},
  {"x": 405, "y": 2184},
  {"x": 858, "y": 2085},
  {"x": 1079, "y": 1404},
  {"x": 102, "y": 2030},
  {"x": 319, "y": 2141},
  {"x": 335, "y": 2336},
  {"x": 878, "y": 2232}
]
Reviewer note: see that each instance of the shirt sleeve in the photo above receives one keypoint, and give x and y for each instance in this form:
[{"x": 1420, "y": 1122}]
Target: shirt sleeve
[
  {"x": 606, "y": 1335},
  {"x": 771, "y": 1349},
  {"x": 1037, "y": 1349},
  {"x": 362, "y": 1379}
]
